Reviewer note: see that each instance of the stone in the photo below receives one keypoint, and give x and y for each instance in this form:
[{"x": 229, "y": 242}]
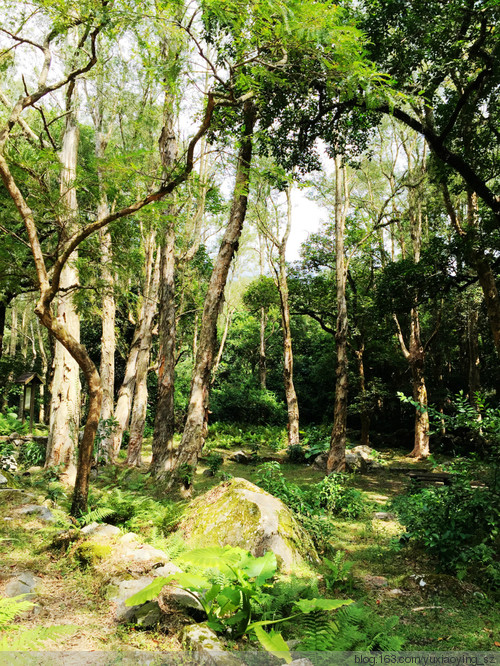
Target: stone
[
  {"x": 3, "y": 480},
  {"x": 301, "y": 662},
  {"x": 148, "y": 615},
  {"x": 395, "y": 592},
  {"x": 384, "y": 515},
  {"x": 199, "y": 638},
  {"x": 242, "y": 458},
  {"x": 121, "y": 590},
  {"x": 15, "y": 496},
  {"x": 23, "y": 583},
  {"x": 208, "y": 472},
  {"x": 180, "y": 597},
  {"x": 41, "y": 512},
  {"x": 320, "y": 461},
  {"x": 101, "y": 530},
  {"x": 165, "y": 570},
  {"x": 34, "y": 469},
  {"x": 239, "y": 513},
  {"x": 355, "y": 463},
  {"x": 375, "y": 581}
]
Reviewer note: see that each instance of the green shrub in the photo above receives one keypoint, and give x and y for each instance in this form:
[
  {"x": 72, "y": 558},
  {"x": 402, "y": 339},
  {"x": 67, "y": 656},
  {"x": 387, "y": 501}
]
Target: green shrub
[
  {"x": 214, "y": 462},
  {"x": 458, "y": 524},
  {"x": 246, "y": 404},
  {"x": 32, "y": 453},
  {"x": 9, "y": 423}
]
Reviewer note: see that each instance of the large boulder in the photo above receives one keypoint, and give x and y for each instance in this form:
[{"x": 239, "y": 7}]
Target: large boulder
[{"x": 239, "y": 513}]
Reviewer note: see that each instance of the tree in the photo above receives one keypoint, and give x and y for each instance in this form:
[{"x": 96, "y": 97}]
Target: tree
[{"x": 85, "y": 56}]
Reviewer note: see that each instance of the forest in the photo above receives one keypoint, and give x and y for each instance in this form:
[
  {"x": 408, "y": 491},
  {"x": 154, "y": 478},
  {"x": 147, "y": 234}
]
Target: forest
[{"x": 249, "y": 328}]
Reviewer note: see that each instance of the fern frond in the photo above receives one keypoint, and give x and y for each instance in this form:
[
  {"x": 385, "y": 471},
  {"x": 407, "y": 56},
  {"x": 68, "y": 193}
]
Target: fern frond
[{"x": 11, "y": 607}]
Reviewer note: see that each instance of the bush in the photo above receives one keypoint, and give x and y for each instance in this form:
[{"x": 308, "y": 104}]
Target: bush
[
  {"x": 9, "y": 423},
  {"x": 458, "y": 524},
  {"x": 245, "y": 403}
]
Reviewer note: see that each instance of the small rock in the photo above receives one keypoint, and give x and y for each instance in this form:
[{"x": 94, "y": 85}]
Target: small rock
[
  {"x": 101, "y": 530},
  {"x": 241, "y": 457},
  {"x": 123, "y": 590},
  {"x": 148, "y": 615},
  {"x": 396, "y": 592},
  {"x": 320, "y": 461},
  {"x": 23, "y": 583},
  {"x": 41, "y": 512},
  {"x": 129, "y": 538},
  {"x": 301, "y": 662},
  {"x": 3, "y": 480},
  {"x": 199, "y": 638},
  {"x": 375, "y": 581},
  {"x": 181, "y": 597},
  {"x": 165, "y": 570},
  {"x": 384, "y": 515},
  {"x": 208, "y": 472},
  {"x": 34, "y": 469}
]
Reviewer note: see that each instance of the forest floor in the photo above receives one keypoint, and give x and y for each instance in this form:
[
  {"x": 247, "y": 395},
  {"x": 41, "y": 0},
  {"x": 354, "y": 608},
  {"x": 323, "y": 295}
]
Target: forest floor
[{"x": 446, "y": 614}]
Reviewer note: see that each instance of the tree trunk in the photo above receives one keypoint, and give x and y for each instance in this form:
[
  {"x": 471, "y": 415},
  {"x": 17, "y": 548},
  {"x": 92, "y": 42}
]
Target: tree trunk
[
  {"x": 365, "y": 414},
  {"x": 262, "y": 351},
  {"x": 65, "y": 391},
  {"x": 163, "y": 437},
  {"x": 145, "y": 324},
  {"x": 13, "y": 330},
  {"x": 139, "y": 409},
  {"x": 194, "y": 433},
  {"x": 45, "y": 369},
  {"x": 416, "y": 359},
  {"x": 336, "y": 455},
  {"x": 290, "y": 393},
  {"x": 108, "y": 307},
  {"x": 3, "y": 312},
  {"x": 225, "y": 332}
]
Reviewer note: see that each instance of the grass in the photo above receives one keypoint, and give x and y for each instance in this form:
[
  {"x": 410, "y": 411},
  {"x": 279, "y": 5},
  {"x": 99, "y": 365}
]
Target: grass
[{"x": 466, "y": 617}]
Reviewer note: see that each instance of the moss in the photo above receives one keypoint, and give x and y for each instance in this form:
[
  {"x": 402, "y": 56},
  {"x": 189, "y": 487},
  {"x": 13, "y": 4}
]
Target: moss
[
  {"x": 90, "y": 552},
  {"x": 238, "y": 513}
]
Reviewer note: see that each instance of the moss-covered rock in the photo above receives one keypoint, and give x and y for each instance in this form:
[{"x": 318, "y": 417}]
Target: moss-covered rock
[
  {"x": 90, "y": 553},
  {"x": 239, "y": 513}
]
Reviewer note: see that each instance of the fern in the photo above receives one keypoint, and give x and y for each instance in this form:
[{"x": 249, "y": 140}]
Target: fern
[
  {"x": 361, "y": 629},
  {"x": 95, "y": 516},
  {"x": 14, "y": 638},
  {"x": 11, "y": 607},
  {"x": 319, "y": 633}
]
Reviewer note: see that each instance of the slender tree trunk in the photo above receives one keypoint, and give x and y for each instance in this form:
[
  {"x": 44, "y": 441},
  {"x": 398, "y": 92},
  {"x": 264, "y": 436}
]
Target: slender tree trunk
[
  {"x": 262, "y": 350},
  {"x": 416, "y": 360},
  {"x": 163, "y": 437},
  {"x": 139, "y": 409},
  {"x": 336, "y": 455},
  {"x": 145, "y": 324},
  {"x": 45, "y": 369},
  {"x": 473, "y": 346},
  {"x": 290, "y": 393},
  {"x": 491, "y": 298},
  {"x": 365, "y": 414},
  {"x": 108, "y": 305},
  {"x": 65, "y": 391},
  {"x": 225, "y": 332},
  {"x": 194, "y": 431},
  {"x": 13, "y": 330},
  {"x": 3, "y": 312}
]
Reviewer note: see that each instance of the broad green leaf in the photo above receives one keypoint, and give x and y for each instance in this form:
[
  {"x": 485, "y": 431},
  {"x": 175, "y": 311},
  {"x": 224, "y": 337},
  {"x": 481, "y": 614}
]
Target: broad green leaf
[
  {"x": 274, "y": 644},
  {"x": 261, "y": 568},
  {"x": 310, "y": 605},
  {"x": 214, "y": 558},
  {"x": 149, "y": 592}
]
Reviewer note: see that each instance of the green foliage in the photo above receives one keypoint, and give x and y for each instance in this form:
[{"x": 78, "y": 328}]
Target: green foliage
[
  {"x": 104, "y": 430},
  {"x": 214, "y": 462},
  {"x": 245, "y": 403},
  {"x": 338, "y": 498},
  {"x": 32, "y": 453},
  {"x": 354, "y": 628},
  {"x": 9, "y": 423},
  {"x": 233, "y": 579},
  {"x": 339, "y": 572},
  {"x": 458, "y": 524},
  {"x": 13, "y": 638},
  {"x": 7, "y": 448},
  {"x": 134, "y": 511}
]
